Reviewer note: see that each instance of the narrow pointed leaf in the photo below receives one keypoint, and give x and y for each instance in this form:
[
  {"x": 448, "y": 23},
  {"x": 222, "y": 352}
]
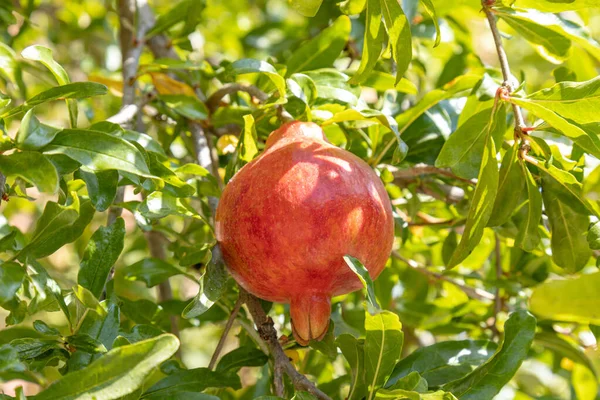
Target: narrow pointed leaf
[
  {"x": 488, "y": 379},
  {"x": 373, "y": 41},
  {"x": 482, "y": 204},
  {"x": 118, "y": 373},
  {"x": 569, "y": 245},
  {"x": 383, "y": 346},
  {"x": 571, "y": 300},
  {"x": 463, "y": 150},
  {"x": 322, "y": 50},
  {"x": 101, "y": 253},
  {"x": 99, "y": 151},
  {"x": 528, "y": 236},
  {"x": 398, "y": 29},
  {"x": 444, "y": 362},
  {"x": 510, "y": 188},
  {"x": 33, "y": 167}
]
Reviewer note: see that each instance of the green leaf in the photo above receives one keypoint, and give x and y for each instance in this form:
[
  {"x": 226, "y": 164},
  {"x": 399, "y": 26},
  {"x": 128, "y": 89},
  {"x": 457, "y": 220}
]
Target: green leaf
[
  {"x": 428, "y": 5},
  {"x": 569, "y": 245},
  {"x": 482, "y": 204},
  {"x": 564, "y": 348},
  {"x": 444, "y": 362},
  {"x": 101, "y": 253},
  {"x": 487, "y": 380},
  {"x": 84, "y": 342},
  {"x": 528, "y": 237},
  {"x": 332, "y": 85},
  {"x": 11, "y": 279},
  {"x": 383, "y": 346},
  {"x": 45, "y": 287},
  {"x": 383, "y": 81},
  {"x": 353, "y": 351},
  {"x": 322, "y": 50},
  {"x": 30, "y": 348},
  {"x": 413, "y": 381},
  {"x": 463, "y": 151},
  {"x": 32, "y": 134},
  {"x": 188, "y": 11},
  {"x": 44, "y": 56},
  {"x": 248, "y": 148},
  {"x": 457, "y": 86},
  {"x": 303, "y": 87},
  {"x": 373, "y": 41},
  {"x": 352, "y": 7},
  {"x": 571, "y": 300},
  {"x": 244, "y": 356},
  {"x": 183, "y": 383},
  {"x": 553, "y": 45},
  {"x": 250, "y": 66},
  {"x": 173, "y": 185},
  {"x": 568, "y": 189},
  {"x": 151, "y": 271},
  {"x": 555, "y": 6},
  {"x": 564, "y": 106},
  {"x": 593, "y": 236},
  {"x": 308, "y": 8},
  {"x": 212, "y": 286},
  {"x": 398, "y": 29},
  {"x": 33, "y": 167},
  {"x": 410, "y": 395},
  {"x": 101, "y": 186},
  {"x": 99, "y": 151},
  {"x": 102, "y": 328},
  {"x": 186, "y": 106},
  {"x": 158, "y": 205},
  {"x": 363, "y": 274},
  {"x": 375, "y": 116},
  {"x": 78, "y": 90},
  {"x": 44, "y": 329},
  {"x": 510, "y": 188},
  {"x": 118, "y": 373},
  {"x": 58, "y": 226},
  {"x": 563, "y": 27}
]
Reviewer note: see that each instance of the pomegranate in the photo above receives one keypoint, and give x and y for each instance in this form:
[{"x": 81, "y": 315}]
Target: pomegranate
[{"x": 287, "y": 218}]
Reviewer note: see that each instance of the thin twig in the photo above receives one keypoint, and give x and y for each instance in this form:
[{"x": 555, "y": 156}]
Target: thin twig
[
  {"x": 509, "y": 81},
  {"x": 282, "y": 365},
  {"x": 228, "y": 325},
  {"x": 214, "y": 100},
  {"x": 474, "y": 293}
]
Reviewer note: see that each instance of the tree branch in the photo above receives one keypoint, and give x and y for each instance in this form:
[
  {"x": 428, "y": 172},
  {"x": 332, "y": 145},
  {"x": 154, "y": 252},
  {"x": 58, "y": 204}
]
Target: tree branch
[
  {"x": 267, "y": 332},
  {"x": 228, "y": 325},
  {"x": 509, "y": 82},
  {"x": 474, "y": 293},
  {"x": 214, "y": 100}
]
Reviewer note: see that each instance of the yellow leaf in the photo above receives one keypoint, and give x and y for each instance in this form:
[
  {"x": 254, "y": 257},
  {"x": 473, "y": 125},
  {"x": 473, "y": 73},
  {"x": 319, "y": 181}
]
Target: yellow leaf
[
  {"x": 164, "y": 84},
  {"x": 115, "y": 86}
]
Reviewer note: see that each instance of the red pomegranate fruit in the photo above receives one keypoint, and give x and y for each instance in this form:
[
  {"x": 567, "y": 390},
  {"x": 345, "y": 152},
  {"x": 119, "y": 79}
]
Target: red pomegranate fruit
[{"x": 287, "y": 218}]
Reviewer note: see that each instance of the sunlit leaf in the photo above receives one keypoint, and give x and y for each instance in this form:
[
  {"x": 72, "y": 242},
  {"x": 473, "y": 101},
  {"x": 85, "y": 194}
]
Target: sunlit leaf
[
  {"x": 119, "y": 372},
  {"x": 33, "y": 167},
  {"x": 322, "y": 50},
  {"x": 487, "y": 380}
]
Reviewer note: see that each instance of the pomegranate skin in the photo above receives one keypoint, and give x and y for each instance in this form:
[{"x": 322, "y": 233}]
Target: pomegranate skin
[{"x": 286, "y": 219}]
